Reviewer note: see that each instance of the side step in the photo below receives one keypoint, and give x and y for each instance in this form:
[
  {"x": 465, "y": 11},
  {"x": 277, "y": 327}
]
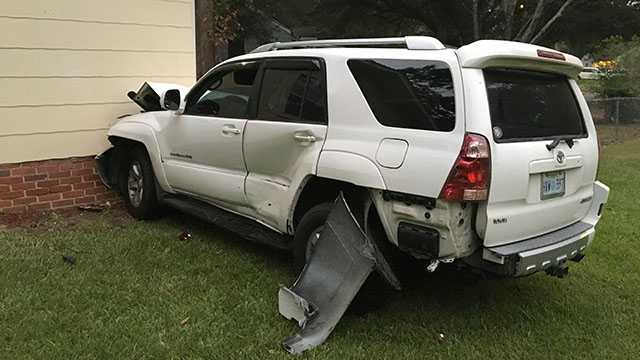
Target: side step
[{"x": 237, "y": 224}]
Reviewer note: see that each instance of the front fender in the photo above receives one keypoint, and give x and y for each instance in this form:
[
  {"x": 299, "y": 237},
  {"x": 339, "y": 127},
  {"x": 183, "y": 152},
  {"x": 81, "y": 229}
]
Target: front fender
[
  {"x": 351, "y": 168},
  {"x": 145, "y": 134}
]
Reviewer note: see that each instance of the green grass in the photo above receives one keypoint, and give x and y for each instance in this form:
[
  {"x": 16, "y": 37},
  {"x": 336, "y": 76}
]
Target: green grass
[{"x": 134, "y": 285}]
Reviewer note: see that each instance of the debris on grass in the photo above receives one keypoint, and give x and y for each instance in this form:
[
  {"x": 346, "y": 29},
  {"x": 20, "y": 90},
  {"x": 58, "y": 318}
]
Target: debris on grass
[
  {"x": 185, "y": 236},
  {"x": 185, "y": 321},
  {"x": 69, "y": 259},
  {"x": 94, "y": 207}
]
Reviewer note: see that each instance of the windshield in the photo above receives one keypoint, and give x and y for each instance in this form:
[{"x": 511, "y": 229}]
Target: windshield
[{"x": 527, "y": 105}]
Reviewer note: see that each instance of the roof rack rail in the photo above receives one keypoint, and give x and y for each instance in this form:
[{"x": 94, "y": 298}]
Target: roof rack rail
[{"x": 407, "y": 42}]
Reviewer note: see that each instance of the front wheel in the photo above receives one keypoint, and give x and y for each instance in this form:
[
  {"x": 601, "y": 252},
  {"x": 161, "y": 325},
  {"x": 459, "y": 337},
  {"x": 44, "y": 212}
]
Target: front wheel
[{"x": 139, "y": 186}]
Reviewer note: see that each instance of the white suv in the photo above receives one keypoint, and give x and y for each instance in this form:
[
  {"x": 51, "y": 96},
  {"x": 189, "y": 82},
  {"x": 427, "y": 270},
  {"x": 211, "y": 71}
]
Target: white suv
[{"x": 486, "y": 154}]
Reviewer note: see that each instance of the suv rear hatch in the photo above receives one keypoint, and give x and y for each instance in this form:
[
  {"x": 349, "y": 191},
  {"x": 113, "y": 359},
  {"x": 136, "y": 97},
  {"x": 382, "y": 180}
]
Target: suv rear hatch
[{"x": 542, "y": 139}]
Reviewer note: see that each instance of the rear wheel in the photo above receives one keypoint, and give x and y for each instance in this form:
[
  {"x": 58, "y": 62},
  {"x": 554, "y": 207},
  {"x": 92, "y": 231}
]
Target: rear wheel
[
  {"x": 308, "y": 232},
  {"x": 139, "y": 186}
]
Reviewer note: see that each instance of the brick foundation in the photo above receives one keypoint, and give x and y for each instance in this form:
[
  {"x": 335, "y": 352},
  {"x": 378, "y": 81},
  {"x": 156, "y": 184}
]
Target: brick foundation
[{"x": 37, "y": 186}]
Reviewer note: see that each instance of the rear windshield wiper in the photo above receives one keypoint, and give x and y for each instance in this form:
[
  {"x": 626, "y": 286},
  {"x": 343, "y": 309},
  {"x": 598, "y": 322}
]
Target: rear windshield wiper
[{"x": 557, "y": 142}]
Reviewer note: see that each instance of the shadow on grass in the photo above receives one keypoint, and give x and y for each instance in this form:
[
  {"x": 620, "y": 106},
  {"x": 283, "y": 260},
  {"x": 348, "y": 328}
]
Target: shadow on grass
[
  {"x": 186, "y": 222},
  {"x": 450, "y": 287}
]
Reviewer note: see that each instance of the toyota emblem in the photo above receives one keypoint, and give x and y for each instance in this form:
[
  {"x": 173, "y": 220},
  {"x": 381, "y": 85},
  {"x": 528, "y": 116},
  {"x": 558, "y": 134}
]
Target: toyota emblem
[{"x": 560, "y": 157}]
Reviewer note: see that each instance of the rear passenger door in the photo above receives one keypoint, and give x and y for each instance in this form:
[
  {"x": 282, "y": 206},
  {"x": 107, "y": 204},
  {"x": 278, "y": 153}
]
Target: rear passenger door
[{"x": 283, "y": 142}]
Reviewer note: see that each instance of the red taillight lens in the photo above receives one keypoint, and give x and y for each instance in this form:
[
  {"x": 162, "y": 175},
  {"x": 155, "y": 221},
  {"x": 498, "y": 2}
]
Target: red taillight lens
[{"x": 471, "y": 174}]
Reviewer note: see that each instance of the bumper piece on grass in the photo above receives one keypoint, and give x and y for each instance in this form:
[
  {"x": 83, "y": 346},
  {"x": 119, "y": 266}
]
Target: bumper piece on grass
[{"x": 340, "y": 263}]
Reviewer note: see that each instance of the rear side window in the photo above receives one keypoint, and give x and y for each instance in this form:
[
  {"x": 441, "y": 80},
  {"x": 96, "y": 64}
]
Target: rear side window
[
  {"x": 412, "y": 94},
  {"x": 292, "y": 95},
  {"x": 527, "y": 105}
]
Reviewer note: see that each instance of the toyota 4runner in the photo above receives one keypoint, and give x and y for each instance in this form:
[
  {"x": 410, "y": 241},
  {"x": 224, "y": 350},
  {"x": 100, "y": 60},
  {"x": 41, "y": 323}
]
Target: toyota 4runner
[{"x": 486, "y": 155}]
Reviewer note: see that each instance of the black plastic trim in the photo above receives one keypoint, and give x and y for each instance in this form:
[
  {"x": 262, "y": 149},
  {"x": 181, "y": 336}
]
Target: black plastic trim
[
  {"x": 428, "y": 202},
  {"x": 419, "y": 241}
]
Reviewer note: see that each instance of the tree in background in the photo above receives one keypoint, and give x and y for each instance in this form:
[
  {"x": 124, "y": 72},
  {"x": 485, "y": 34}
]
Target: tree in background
[
  {"x": 587, "y": 22},
  {"x": 455, "y": 22},
  {"x": 224, "y": 24},
  {"x": 619, "y": 60},
  {"x": 463, "y": 21},
  {"x": 576, "y": 26}
]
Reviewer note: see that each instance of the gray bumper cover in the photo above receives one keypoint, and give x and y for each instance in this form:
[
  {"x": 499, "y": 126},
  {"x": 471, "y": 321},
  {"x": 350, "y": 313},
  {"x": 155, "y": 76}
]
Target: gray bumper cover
[
  {"x": 549, "y": 250},
  {"x": 340, "y": 263},
  {"x": 543, "y": 252}
]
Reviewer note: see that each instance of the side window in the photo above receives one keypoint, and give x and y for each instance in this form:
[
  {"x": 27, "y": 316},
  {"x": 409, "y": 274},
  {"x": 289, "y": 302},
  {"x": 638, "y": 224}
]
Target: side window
[
  {"x": 292, "y": 95},
  {"x": 412, "y": 94},
  {"x": 226, "y": 94}
]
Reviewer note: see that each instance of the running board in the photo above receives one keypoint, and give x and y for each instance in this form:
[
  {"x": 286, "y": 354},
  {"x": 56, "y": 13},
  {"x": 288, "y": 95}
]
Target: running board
[
  {"x": 240, "y": 225},
  {"x": 340, "y": 263}
]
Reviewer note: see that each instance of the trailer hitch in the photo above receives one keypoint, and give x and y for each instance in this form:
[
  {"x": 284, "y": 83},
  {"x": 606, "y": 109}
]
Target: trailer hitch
[
  {"x": 561, "y": 271},
  {"x": 341, "y": 261}
]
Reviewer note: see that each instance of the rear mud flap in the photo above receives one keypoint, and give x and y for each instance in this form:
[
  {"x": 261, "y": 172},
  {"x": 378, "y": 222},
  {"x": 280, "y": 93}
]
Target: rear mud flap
[{"x": 340, "y": 263}]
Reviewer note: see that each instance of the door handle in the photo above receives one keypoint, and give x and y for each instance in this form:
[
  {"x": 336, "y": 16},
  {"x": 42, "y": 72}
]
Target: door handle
[
  {"x": 304, "y": 138},
  {"x": 230, "y": 129}
]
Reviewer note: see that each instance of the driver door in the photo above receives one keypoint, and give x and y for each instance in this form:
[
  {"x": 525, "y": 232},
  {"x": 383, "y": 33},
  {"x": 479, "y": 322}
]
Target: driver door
[{"x": 203, "y": 153}]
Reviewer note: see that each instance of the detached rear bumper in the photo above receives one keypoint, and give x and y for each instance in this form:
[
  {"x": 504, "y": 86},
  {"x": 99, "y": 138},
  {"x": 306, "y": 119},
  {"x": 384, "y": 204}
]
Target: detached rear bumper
[{"x": 550, "y": 250}]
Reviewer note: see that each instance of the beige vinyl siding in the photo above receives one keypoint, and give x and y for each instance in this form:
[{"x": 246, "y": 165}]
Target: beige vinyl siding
[{"x": 67, "y": 65}]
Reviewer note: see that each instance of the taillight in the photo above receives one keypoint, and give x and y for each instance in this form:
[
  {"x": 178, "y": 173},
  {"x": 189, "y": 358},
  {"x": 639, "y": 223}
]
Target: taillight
[{"x": 470, "y": 176}]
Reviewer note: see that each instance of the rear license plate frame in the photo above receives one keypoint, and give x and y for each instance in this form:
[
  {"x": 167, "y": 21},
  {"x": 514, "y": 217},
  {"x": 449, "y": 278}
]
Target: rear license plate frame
[{"x": 553, "y": 176}]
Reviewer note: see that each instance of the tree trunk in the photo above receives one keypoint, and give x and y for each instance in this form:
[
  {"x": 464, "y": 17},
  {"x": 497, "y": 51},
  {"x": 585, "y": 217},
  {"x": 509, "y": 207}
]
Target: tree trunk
[
  {"x": 508, "y": 8},
  {"x": 552, "y": 21},
  {"x": 476, "y": 21},
  {"x": 532, "y": 24},
  {"x": 205, "y": 42}
]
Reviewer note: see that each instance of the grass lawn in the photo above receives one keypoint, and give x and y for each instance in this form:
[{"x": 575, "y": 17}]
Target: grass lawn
[{"x": 136, "y": 291}]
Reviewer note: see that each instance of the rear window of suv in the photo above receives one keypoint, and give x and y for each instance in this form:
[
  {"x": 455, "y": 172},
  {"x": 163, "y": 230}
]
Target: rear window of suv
[
  {"x": 527, "y": 105},
  {"x": 412, "y": 94}
]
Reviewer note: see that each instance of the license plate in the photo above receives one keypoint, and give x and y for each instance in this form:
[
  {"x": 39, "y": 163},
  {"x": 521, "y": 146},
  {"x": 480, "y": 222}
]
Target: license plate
[{"x": 553, "y": 185}]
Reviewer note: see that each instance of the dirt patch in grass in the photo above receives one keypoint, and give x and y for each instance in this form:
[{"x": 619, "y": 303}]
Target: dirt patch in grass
[{"x": 62, "y": 218}]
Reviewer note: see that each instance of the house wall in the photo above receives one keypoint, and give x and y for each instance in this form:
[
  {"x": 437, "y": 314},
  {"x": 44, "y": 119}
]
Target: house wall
[
  {"x": 67, "y": 65},
  {"x": 36, "y": 186}
]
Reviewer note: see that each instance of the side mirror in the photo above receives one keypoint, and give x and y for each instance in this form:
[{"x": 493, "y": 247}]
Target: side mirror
[{"x": 171, "y": 99}]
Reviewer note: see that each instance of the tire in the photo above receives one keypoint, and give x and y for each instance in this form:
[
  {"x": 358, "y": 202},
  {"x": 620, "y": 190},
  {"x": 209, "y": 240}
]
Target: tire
[
  {"x": 137, "y": 173},
  {"x": 312, "y": 220}
]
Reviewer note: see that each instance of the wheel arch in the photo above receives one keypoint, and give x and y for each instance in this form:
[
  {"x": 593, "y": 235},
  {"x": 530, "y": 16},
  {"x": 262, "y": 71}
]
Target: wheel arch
[
  {"x": 351, "y": 168},
  {"x": 128, "y": 134},
  {"x": 317, "y": 190}
]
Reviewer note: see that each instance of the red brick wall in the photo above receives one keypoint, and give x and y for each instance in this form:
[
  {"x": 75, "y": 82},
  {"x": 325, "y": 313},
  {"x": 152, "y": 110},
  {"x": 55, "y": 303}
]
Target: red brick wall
[{"x": 50, "y": 185}]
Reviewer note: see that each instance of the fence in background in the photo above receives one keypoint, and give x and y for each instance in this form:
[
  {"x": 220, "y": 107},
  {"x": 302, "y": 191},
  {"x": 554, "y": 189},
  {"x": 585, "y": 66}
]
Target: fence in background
[{"x": 617, "y": 119}]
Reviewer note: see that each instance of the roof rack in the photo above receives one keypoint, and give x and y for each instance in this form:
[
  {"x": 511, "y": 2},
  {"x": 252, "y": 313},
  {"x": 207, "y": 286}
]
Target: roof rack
[{"x": 407, "y": 42}]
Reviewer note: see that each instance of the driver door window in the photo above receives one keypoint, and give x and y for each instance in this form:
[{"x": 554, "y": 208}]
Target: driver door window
[{"x": 226, "y": 95}]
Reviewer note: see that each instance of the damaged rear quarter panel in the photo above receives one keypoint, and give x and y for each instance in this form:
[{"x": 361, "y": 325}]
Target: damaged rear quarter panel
[{"x": 454, "y": 222}]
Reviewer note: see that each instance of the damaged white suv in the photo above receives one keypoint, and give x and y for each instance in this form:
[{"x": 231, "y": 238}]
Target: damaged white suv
[{"x": 485, "y": 155}]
